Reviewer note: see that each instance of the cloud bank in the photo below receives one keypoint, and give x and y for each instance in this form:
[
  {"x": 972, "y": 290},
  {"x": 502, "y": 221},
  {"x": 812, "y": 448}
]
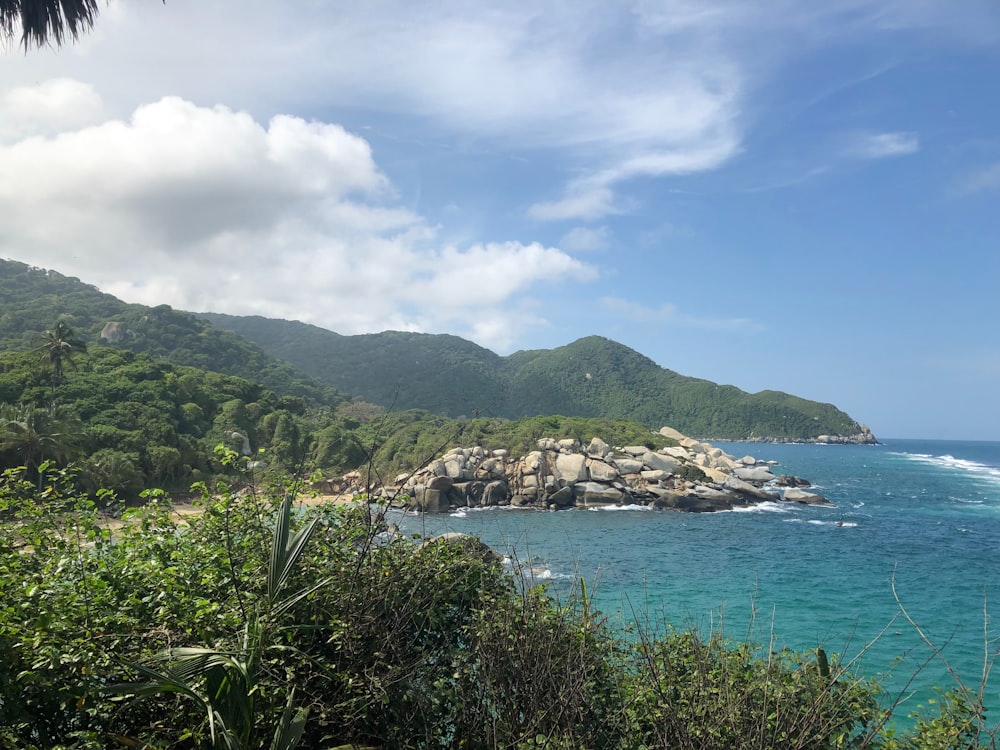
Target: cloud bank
[{"x": 208, "y": 209}]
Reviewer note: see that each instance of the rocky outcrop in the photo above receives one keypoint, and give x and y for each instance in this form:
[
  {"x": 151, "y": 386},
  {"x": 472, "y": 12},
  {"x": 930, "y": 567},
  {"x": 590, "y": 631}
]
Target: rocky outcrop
[
  {"x": 864, "y": 436},
  {"x": 691, "y": 476},
  {"x": 116, "y": 333}
]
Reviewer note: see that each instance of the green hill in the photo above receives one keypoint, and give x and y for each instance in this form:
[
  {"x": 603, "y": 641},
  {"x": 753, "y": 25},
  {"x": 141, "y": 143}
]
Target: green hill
[
  {"x": 591, "y": 377},
  {"x": 34, "y": 299}
]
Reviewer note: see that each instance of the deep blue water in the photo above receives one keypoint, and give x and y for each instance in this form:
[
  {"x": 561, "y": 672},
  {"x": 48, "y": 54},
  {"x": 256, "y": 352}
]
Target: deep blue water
[{"x": 925, "y": 513}]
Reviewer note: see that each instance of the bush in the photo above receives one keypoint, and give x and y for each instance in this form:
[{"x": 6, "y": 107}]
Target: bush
[{"x": 251, "y": 622}]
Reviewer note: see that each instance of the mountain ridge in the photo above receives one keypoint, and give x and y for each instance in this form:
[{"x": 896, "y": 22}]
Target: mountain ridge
[{"x": 591, "y": 377}]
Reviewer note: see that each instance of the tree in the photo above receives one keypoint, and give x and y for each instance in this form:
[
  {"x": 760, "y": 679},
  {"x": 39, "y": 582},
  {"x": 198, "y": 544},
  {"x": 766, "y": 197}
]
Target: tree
[
  {"x": 44, "y": 21},
  {"x": 59, "y": 346},
  {"x": 35, "y": 435}
]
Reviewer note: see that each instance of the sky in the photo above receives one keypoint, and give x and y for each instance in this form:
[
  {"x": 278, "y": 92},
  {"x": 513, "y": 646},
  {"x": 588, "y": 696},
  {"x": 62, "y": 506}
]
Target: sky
[{"x": 775, "y": 195}]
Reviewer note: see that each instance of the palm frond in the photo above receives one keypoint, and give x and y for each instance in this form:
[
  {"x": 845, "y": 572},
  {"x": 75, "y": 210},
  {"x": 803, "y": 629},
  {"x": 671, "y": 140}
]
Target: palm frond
[{"x": 43, "y": 22}]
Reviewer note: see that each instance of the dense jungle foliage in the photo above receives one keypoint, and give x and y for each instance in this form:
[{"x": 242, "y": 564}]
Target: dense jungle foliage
[
  {"x": 250, "y": 626},
  {"x": 447, "y": 375},
  {"x": 591, "y": 377},
  {"x": 130, "y": 422},
  {"x": 34, "y": 299}
]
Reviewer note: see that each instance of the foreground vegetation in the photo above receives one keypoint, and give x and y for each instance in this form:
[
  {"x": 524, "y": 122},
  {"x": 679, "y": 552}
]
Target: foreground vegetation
[{"x": 248, "y": 626}]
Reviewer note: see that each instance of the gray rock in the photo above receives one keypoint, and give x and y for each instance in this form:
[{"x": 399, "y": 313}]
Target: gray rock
[
  {"x": 659, "y": 462},
  {"x": 600, "y": 471},
  {"x": 571, "y": 467},
  {"x": 795, "y": 495},
  {"x": 495, "y": 493},
  {"x": 562, "y": 498},
  {"x": 440, "y": 483},
  {"x": 628, "y": 465},
  {"x": 598, "y": 448},
  {"x": 595, "y": 493},
  {"x": 670, "y": 432},
  {"x": 432, "y": 501},
  {"x": 755, "y": 474},
  {"x": 654, "y": 475}
]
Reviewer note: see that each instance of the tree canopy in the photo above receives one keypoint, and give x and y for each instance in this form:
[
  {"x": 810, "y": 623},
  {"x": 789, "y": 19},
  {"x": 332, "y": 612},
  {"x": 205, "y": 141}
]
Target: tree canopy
[{"x": 42, "y": 22}]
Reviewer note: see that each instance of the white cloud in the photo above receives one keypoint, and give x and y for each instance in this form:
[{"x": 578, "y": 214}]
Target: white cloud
[
  {"x": 620, "y": 90},
  {"x": 986, "y": 178},
  {"x": 585, "y": 239},
  {"x": 883, "y": 145},
  {"x": 669, "y": 314},
  {"x": 579, "y": 203},
  {"x": 205, "y": 208},
  {"x": 48, "y": 108}
]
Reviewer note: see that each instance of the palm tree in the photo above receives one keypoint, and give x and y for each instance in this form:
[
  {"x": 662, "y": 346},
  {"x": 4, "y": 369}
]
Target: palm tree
[
  {"x": 44, "y": 21},
  {"x": 59, "y": 345},
  {"x": 32, "y": 435}
]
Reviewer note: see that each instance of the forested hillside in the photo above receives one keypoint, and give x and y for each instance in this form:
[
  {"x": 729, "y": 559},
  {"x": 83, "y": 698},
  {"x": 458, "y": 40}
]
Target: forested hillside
[
  {"x": 34, "y": 299},
  {"x": 591, "y": 377},
  {"x": 128, "y": 422}
]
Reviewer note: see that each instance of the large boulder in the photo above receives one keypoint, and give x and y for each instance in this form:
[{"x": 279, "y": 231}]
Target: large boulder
[
  {"x": 495, "y": 493},
  {"x": 755, "y": 474},
  {"x": 440, "y": 483},
  {"x": 670, "y": 432},
  {"x": 627, "y": 465},
  {"x": 431, "y": 501},
  {"x": 796, "y": 495},
  {"x": 571, "y": 467},
  {"x": 598, "y": 448},
  {"x": 595, "y": 493},
  {"x": 563, "y": 498},
  {"x": 659, "y": 462},
  {"x": 601, "y": 471},
  {"x": 745, "y": 488}
]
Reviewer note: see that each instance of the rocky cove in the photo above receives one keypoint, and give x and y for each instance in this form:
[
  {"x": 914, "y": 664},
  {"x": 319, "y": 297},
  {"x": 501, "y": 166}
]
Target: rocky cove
[{"x": 690, "y": 476}]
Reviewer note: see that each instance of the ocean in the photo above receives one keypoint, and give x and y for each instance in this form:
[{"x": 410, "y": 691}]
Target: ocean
[{"x": 918, "y": 516}]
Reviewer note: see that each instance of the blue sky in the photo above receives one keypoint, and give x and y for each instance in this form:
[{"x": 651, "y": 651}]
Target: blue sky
[{"x": 771, "y": 194}]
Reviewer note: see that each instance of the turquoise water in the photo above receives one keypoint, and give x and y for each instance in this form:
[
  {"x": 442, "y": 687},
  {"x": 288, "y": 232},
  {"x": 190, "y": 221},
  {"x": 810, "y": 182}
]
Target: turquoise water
[{"x": 923, "y": 513}]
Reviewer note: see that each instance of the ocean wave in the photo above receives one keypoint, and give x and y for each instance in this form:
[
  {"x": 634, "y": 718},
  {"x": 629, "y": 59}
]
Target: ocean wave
[
  {"x": 605, "y": 508},
  {"x": 765, "y": 507},
  {"x": 817, "y": 522},
  {"x": 947, "y": 461},
  {"x": 536, "y": 571}
]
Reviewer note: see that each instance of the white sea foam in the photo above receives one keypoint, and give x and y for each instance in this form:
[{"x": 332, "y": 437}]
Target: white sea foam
[
  {"x": 948, "y": 461},
  {"x": 817, "y": 522},
  {"x": 765, "y": 507},
  {"x": 535, "y": 572},
  {"x": 601, "y": 508}
]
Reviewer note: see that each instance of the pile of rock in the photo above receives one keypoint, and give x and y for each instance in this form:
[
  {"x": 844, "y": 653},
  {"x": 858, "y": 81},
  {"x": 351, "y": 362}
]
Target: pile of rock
[{"x": 691, "y": 476}]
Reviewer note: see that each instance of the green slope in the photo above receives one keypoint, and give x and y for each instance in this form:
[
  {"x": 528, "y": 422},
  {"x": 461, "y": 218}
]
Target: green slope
[
  {"x": 34, "y": 299},
  {"x": 439, "y": 373},
  {"x": 591, "y": 377}
]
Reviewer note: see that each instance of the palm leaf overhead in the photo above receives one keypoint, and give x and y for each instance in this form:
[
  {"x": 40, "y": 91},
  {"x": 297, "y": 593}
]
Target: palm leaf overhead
[{"x": 42, "y": 22}]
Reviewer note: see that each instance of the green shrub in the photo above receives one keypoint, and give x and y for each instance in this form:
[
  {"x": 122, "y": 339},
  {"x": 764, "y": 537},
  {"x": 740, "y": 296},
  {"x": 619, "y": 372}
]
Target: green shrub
[{"x": 368, "y": 639}]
